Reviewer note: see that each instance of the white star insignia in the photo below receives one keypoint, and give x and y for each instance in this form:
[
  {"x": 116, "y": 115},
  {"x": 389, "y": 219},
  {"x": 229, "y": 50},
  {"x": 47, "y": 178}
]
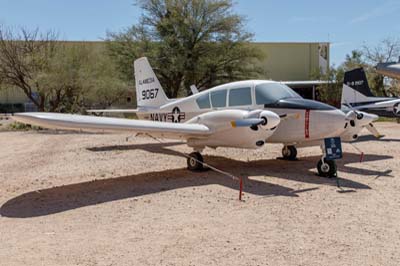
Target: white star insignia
[{"x": 396, "y": 109}]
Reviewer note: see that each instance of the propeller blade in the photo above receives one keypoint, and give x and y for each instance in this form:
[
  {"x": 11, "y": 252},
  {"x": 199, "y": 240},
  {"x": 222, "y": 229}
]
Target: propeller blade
[
  {"x": 373, "y": 130},
  {"x": 247, "y": 122}
]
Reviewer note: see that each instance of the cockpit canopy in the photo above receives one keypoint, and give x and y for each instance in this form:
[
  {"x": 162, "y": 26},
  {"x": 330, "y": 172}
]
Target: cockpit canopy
[
  {"x": 268, "y": 93},
  {"x": 242, "y": 96}
]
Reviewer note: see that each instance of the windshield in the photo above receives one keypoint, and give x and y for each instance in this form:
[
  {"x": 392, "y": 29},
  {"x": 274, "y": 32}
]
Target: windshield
[{"x": 268, "y": 93}]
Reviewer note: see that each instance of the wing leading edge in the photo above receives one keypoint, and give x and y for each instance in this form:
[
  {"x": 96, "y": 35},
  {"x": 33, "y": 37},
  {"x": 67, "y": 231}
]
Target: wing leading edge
[{"x": 108, "y": 124}]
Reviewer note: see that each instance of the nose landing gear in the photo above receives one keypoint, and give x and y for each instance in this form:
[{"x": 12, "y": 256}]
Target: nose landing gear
[
  {"x": 289, "y": 153},
  {"x": 327, "y": 168}
]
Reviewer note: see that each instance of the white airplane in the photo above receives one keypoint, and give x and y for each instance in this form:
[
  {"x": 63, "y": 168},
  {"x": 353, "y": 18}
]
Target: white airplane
[
  {"x": 244, "y": 114},
  {"x": 357, "y": 95},
  {"x": 391, "y": 70}
]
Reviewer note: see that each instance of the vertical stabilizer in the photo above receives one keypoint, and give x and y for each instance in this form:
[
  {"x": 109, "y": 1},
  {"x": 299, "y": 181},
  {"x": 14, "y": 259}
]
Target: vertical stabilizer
[
  {"x": 149, "y": 92},
  {"x": 355, "y": 87}
]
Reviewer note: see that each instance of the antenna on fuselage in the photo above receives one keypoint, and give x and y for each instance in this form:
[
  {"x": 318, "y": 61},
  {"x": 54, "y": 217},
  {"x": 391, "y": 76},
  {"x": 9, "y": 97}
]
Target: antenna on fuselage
[{"x": 194, "y": 89}]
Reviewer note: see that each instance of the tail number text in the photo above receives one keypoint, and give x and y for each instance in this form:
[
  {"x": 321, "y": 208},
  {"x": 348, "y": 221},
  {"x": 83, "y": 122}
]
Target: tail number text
[{"x": 149, "y": 94}]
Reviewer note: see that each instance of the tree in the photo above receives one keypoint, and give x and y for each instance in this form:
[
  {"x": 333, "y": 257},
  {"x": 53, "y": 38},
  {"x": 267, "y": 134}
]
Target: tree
[
  {"x": 354, "y": 60},
  {"x": 103, "y": 82},
  {"x": 388, "y": 50},
  {"x": 81, "y": 76},
  {"x": 58, "y": 76},
  {"x": 23, "y": 56},
  {"x": 331, "y": 91},
  {"x": 200, "y": 42}
]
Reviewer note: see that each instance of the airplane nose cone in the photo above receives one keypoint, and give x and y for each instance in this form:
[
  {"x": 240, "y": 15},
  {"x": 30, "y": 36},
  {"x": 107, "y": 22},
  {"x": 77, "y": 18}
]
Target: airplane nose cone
[
  {"x": 272, "y": 119},
  {"x": 369, "y": 118},
  {"x": 361, "y": 118}
]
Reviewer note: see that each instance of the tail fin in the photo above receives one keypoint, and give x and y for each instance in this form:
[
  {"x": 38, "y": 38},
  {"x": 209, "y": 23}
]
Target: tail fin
[
  {"x": 148, "y": 89},
  {"x": 355, "y": 87}
]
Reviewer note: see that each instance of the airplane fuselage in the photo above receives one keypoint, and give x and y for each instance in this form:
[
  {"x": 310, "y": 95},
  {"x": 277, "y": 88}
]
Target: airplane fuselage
[{"x": 302, "y": 120}]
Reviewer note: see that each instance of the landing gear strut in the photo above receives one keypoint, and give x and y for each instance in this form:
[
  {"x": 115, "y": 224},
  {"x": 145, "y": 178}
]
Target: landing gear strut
[
  {"x": 195, "y": 161},
  {"x": 289, "y": 153}
]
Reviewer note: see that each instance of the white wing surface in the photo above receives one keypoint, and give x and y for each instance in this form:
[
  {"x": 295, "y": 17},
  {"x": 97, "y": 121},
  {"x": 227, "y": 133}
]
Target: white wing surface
[
  {"x": 108, "y": 124},
  {"x": 127, "y": 111}
]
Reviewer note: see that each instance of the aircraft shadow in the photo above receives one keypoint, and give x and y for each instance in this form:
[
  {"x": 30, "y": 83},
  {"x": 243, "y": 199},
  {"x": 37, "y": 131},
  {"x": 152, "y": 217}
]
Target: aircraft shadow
[
  {"x": 149, "y": 147},
  {"x": 306, "y": 162},
  {"x": 69, "y": 197},
  {"x": 59, "y": 199}
]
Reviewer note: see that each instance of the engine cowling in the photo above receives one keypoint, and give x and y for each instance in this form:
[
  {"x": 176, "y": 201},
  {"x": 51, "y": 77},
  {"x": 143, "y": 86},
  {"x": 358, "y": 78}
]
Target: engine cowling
[
  {"x": 356, "y": 122},
  {"x": 236, "y": 128}
]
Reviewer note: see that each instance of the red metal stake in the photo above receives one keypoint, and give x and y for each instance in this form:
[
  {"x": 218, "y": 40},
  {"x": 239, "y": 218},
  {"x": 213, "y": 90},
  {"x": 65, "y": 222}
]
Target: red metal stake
[{"x": 240, "y": 188}]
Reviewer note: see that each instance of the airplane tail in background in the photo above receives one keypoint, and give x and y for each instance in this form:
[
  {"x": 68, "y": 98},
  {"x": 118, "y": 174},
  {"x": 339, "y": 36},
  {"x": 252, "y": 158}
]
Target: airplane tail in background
[
  {"x": 149, "y": 92},
  {"x": 355, "y": 87}
]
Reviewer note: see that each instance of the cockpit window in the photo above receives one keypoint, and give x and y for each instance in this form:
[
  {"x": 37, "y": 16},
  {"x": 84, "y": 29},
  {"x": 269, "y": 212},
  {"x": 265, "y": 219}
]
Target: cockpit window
[
  {"x": 203, "y": 101},
  {"x": 239, "y": 97},
  {"x": 218, "y": 98},
  {"x": 268, "y": 93}
]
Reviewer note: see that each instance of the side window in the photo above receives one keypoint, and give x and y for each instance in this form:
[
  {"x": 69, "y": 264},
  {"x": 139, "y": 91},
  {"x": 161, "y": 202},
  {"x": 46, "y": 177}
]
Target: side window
[
  {"x": 241, "y": 96},
  {"x": 218, "y": 98},
  {"x": 203, "y": 101}
]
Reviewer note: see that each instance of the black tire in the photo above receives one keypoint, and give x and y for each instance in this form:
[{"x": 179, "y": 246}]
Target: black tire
[
  {"x": 195, "y": 161},
  {"x": 289, "y": 153},
  {"x": 327, "y": 169}
]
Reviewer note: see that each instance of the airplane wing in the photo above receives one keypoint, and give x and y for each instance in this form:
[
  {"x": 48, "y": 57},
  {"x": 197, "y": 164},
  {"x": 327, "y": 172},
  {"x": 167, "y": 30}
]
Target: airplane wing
[
  {"x": 108, "y": 124},
  {"x": 301, "y": 83},
  {"x": 391, "y": 70},
  {"x": 130, "y": 111},
  {"x": 382, "y": 103}
]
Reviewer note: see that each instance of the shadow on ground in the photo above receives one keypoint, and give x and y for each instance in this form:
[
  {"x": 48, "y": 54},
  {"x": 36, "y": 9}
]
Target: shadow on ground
[
  {"x": 68, "y": 197},
  {"x": 373, "y": 138}
]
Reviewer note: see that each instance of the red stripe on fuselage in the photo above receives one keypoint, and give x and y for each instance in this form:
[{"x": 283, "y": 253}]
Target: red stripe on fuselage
[{"x": 307, "y": 124}]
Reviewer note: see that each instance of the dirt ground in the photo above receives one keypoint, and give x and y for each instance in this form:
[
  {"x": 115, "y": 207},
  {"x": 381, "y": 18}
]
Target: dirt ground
[{"x": 86, "y": 199}]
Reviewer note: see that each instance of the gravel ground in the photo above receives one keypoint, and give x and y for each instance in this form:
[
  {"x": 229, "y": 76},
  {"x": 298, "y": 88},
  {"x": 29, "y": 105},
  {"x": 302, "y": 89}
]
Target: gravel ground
[{"x": 86, "y": 199}]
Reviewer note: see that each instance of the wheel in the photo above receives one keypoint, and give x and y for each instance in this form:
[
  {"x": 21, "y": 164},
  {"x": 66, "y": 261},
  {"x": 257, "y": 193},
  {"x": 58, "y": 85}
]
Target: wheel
[
  {"x": 289, "y": 153},
  {"x": 327, "y": 168},
  {"x": 195, "y": 161}
]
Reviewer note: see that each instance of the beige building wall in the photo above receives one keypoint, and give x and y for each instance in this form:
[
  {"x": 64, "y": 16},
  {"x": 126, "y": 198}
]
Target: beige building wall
[{"x": 293, "y": 61}]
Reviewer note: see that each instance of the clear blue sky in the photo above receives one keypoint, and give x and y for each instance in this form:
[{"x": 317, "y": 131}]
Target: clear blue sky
[{"x": 346, "y": 24}]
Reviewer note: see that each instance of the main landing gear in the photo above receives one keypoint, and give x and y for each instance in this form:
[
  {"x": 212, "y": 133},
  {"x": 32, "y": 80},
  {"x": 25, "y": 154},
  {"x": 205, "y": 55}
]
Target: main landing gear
[
  {"x": 195, "y": 161},
  {"x": 289, "y": 153}
]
